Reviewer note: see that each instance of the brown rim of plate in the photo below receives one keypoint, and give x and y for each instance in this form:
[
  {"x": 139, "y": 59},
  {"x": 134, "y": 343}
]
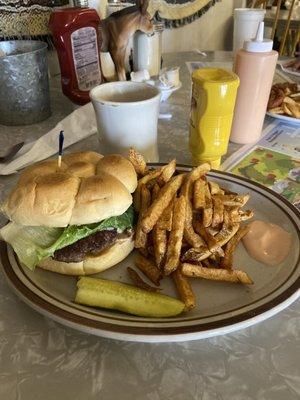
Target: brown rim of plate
[{"x": 58, "y": 313}]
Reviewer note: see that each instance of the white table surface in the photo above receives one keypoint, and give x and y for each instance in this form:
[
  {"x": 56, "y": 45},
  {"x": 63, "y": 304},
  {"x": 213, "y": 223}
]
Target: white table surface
[{"x": 40, "y": 359}]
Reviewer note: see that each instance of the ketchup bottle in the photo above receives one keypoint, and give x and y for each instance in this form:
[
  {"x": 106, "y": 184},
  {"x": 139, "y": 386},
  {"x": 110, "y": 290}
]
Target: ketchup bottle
[{"x": 77, "y": 39}]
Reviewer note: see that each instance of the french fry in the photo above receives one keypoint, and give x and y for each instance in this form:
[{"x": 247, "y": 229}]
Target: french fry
[
  {"x": 184, "y": 290},
  {"x": 284, "y": 99},
  {"x": 244, "y": 215},
  {"x": 216, "y": 274},
  {"x": 286, "y": 109},
  {"x": 233, "y": 200},
  {"x": 159, "y": 237},
  {"x": 235, "y": 215},
  {"x": 219, "y": 251},
  {"x": 167, "y": 172},
  {"x": 196, "y": 255},
  {"x": 154, "y": 192},
  {"x": 208, "y": 210},
  {"x": 150, "y": 249},
  {"x": 149, "y": 177},
  {"x": 229, "y": 192},
  {"x": 199, "y": 194},
  {"x": 215, "y": 188},
  {"x": 227, "y": 260},
  {"x": 164, "y": 198},
  {"x": 211, "y": 262},
  {"x": 191, "y": 177},
  {"x": 226, "y": 234},
  {"x": 144, "y": 251},
  {"x": 187, "y": 227},
  {"x": 292, "y": 106},
  {"x": 192, "y": 238},
  {"x": 228, "y": 215},
  {"x": 176, "y": 235},
  {"x": 276, "y": 110},
  {"x": 214, "y": 260},
  {"x": 138, "y": 162},
  {"x": 140, "y": 236},
  {"x": 150, "y": 185},
  {"x": 165, "y": 221},
  {"x": 138, "y": 281},
  {"x": 201, "y": 253},
  {"x": 206, "y": 263},
  {"x": 212, "y": 231},
  {"x": 288, "y": 100},
  {"x": 218, "y": 211},
  {"x": 295, "y": 95},
  {"x": 190, "y": 235},
  {"x": 161, "y": 175},
  {"x": 231, "y": 216},
  {"x": 137, "y": 198},
  {"x": 149, "y": 269},
  {"x": 186, "y": 190},
  {"x": 209, "y": 239}
]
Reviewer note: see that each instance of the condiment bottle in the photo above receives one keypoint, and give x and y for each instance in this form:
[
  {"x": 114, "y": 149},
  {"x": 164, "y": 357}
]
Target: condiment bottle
[
  {"x": 77, "y": 40},
  {"x": 213, "y": 99},
  {"x": 255, "y": 65}
]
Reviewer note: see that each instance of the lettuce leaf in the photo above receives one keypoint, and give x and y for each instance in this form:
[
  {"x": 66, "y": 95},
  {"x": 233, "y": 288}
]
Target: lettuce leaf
[
  {"x": 28, "y": 242},
  {"x": 33, "y": 244}
]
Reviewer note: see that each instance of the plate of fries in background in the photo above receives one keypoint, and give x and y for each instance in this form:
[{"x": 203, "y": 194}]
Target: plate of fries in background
[
  {"x": 188, "y": 246},
  {"x": 284, "y": 102}
]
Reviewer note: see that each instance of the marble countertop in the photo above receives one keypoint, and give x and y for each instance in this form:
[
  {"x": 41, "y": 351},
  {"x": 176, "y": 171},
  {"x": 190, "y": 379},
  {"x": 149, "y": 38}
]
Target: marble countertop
[{"x": 40, "y": 359}]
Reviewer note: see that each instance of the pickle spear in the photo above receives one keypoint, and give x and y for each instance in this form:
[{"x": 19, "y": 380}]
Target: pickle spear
[{"x": 127, "y": 298}]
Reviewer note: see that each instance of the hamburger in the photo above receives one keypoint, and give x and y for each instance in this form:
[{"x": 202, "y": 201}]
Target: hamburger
[{"x": 77, "y": 219}]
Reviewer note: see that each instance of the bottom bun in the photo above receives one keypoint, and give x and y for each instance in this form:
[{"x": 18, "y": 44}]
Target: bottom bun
[{"x": 93, "y": 264}]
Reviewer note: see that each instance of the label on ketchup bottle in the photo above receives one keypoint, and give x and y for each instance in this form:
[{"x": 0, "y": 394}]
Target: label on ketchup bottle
[
  {"x": 77, "y": 39},
  {"x": 85, "y": 56}
]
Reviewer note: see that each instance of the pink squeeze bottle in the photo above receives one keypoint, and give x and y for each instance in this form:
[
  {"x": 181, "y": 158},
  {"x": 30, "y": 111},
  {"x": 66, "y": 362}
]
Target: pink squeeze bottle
[{"x": 255, "y": 65}]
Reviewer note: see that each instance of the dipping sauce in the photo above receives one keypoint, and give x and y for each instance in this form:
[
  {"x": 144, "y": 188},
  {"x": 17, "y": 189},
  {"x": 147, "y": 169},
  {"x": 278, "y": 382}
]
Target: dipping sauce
[{"x": 267, "y": 243}]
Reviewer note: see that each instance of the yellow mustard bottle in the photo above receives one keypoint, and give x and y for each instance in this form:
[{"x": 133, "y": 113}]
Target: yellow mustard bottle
[{"x": 212, "y": 106}]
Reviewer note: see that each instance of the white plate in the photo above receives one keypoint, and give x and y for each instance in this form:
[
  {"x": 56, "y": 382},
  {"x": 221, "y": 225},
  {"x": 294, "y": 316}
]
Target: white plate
[
  {"x": 222, "y": 307},
  {"x": 289, "y": 70},
  {"x": 291, "y": 120}
]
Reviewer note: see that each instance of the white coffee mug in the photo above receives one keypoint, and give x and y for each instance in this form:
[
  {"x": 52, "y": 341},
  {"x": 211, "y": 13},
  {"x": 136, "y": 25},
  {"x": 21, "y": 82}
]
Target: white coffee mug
[{"x": 127, "y": 114}]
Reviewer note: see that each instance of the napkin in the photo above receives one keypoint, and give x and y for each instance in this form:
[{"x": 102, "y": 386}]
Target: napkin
[{"x": 80, "y": 124}]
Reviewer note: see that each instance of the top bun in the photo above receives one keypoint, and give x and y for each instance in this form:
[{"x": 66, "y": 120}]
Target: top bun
[{"x": 87, "y": 188}]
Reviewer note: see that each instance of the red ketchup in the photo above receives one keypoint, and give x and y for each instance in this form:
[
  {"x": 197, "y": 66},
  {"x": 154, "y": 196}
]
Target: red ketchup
[{"x": 76, "y": 36}]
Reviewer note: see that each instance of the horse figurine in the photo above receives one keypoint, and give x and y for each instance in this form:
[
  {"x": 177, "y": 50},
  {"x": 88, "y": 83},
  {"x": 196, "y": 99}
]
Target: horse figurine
[{"x": 119, "y": 27}]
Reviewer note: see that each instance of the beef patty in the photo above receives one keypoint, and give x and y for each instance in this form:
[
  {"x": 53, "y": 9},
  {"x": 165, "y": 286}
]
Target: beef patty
[{"x": 91, "y": 245}]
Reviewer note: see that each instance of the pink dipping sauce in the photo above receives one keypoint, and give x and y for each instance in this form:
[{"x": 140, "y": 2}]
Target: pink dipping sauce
[{"x": 267, "y": 243}]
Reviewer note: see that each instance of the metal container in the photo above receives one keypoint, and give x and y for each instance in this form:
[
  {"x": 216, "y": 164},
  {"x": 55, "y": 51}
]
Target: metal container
[{"x": 24, "y": 84}]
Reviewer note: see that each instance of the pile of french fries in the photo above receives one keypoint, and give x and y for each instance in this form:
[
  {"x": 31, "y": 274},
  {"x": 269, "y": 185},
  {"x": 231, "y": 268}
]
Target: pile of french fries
[
  {"x": 187, "y": 227},
  {"x": 285, "y": 99}
]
